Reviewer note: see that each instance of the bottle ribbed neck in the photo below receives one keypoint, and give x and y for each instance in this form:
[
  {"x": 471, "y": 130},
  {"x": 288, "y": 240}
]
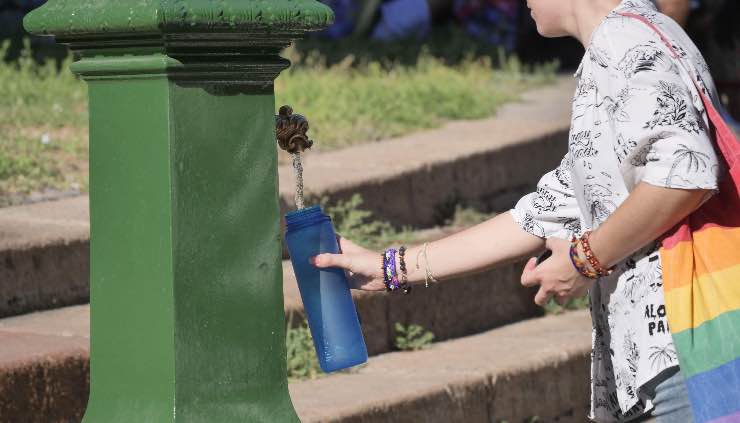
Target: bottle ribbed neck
[{"x": 305, "y": 217}]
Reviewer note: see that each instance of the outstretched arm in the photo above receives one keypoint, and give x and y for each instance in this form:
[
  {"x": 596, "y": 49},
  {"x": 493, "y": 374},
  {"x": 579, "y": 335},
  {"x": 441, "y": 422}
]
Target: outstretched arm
[
  {"x": 491, "y": 243},
  {"x": 549, "y": 211}
]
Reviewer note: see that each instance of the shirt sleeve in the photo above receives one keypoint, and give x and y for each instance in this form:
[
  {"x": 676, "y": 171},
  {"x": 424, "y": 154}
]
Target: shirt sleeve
[
  {"x": 551, "y": 210},
  {"x": 658, "y": 117}
]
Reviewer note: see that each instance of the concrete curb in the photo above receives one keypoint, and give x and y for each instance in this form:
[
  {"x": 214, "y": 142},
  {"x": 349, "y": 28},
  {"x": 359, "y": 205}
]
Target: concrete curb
[
  {"x": 538, "y": 367},
  {"x": 44, "y": 255},
  {"x": 43, "y": 378}
]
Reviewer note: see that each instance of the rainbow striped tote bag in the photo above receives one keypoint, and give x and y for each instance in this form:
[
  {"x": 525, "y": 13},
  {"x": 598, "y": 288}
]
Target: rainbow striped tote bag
[{"x": 701, "y": 282}]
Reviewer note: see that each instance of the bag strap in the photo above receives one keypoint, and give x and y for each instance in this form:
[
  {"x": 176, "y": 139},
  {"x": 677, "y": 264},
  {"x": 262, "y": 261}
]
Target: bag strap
[{"x": 726, "y": 140}]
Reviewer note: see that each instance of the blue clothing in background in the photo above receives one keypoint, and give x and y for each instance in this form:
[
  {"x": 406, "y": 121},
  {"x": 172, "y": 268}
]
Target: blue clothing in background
[
  {"x": 395, "y": 19},
  {"x": 494, "y": 21},
  {"x": 403, "y": 19},
  {"x": 345, "y": 12}
]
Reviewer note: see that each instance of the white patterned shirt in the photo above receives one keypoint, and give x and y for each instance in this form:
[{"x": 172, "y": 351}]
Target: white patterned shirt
[{"x": 636, "y": 117}]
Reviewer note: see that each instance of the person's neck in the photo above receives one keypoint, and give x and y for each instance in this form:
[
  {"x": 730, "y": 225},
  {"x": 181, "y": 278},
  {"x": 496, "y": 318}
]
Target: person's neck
[{"x": 587, "y": 15}]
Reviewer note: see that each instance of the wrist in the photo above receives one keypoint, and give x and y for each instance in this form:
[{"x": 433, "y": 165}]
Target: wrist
[
  {"x": 395, "y": 274},
  {"x": 583, "y": 258},
  {"x": 596, "y": 242},
  {"x": 417, "y": 265},
  {"x": 576, "y": 255}
]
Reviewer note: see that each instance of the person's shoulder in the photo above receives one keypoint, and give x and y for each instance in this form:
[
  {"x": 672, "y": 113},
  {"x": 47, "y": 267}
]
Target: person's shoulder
[
  {"x": 619, "y": 32},
  {"x": 621, "y": 42}
]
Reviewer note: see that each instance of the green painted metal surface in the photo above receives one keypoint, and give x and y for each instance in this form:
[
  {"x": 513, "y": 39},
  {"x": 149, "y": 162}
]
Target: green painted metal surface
[
  {"x": 230, "y": 343},
  {"x": 187, "y": 315},
  {"x": 80, "y": 17},
  {"x": 132, "y": 284}
]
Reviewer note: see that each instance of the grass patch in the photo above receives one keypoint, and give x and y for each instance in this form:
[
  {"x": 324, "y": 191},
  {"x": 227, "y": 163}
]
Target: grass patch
[
  {"x": 43, "y": 127},
  {"x": 43, "y": 112},
  {"x": 349, "y": 103}
]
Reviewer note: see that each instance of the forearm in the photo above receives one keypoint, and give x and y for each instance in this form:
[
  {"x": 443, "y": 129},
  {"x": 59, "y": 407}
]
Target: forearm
[
  {"x": 646, "y": 214},
  {"x": 493, "y": 242}
]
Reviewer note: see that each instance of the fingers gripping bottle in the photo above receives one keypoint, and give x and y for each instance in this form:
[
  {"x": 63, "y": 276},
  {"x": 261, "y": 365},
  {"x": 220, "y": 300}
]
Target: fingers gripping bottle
[{"x": 326, "y": 296}]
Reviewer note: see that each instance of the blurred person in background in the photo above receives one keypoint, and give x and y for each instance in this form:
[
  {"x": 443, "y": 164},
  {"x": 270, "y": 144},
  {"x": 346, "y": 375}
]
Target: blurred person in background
[
  {"x": 12, "y": 32},
  {"x": 493, "y": 21},
  {"x": 384, "y": 20}
]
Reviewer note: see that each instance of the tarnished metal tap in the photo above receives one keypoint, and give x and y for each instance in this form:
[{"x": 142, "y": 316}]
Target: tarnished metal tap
[{"x": 290, "y": 131}]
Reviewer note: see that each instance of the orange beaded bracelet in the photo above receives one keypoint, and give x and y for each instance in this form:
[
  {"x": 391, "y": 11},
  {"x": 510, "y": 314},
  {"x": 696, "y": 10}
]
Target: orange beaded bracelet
[
  {"x": 579, "y": 264},
  {"x": 591, "y": 257}
]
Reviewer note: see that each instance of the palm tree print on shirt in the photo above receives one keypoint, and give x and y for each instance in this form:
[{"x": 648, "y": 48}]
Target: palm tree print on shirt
[
  {"x": 661, "y": 357},
  {"x": 695, "y": 161}
]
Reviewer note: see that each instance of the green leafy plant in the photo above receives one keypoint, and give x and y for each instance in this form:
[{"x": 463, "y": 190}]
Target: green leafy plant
[
  {"x": 359, "y": 226},
  {"x": 412, "y": 337},
  {"x": 302, "y": 362},
  {"x": 467, "y": 216},
  {"x": 301, "y": 359},
  {"x": 573, "y": 304}
]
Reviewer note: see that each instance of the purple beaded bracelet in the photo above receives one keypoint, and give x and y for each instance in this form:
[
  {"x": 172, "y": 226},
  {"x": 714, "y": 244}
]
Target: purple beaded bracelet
[
  {"x": 389, "y": 269},
  {"x": 392, "y": 267}
]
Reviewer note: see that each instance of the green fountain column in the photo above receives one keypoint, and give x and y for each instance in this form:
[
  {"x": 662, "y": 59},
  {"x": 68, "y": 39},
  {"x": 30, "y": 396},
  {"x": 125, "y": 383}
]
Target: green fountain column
[{"x": 187, "y": 321}]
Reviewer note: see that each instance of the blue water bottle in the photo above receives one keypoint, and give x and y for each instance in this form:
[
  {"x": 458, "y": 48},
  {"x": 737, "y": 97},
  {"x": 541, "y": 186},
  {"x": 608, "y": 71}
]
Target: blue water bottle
[{"x": 326, "y": 296}]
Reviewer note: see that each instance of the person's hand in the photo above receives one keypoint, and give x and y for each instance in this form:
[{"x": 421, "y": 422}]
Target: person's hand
[
  {"x": 361, "y": 265},
  {"x": 556, "y": 276}
]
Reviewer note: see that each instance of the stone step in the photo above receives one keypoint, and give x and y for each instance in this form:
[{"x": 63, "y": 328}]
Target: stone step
[
  {"x": 538, "y": 367},
  {"x": 44, "y": 247},
  {"x": 44, "y": 255},
  {"x": 46, "y": 266}
]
